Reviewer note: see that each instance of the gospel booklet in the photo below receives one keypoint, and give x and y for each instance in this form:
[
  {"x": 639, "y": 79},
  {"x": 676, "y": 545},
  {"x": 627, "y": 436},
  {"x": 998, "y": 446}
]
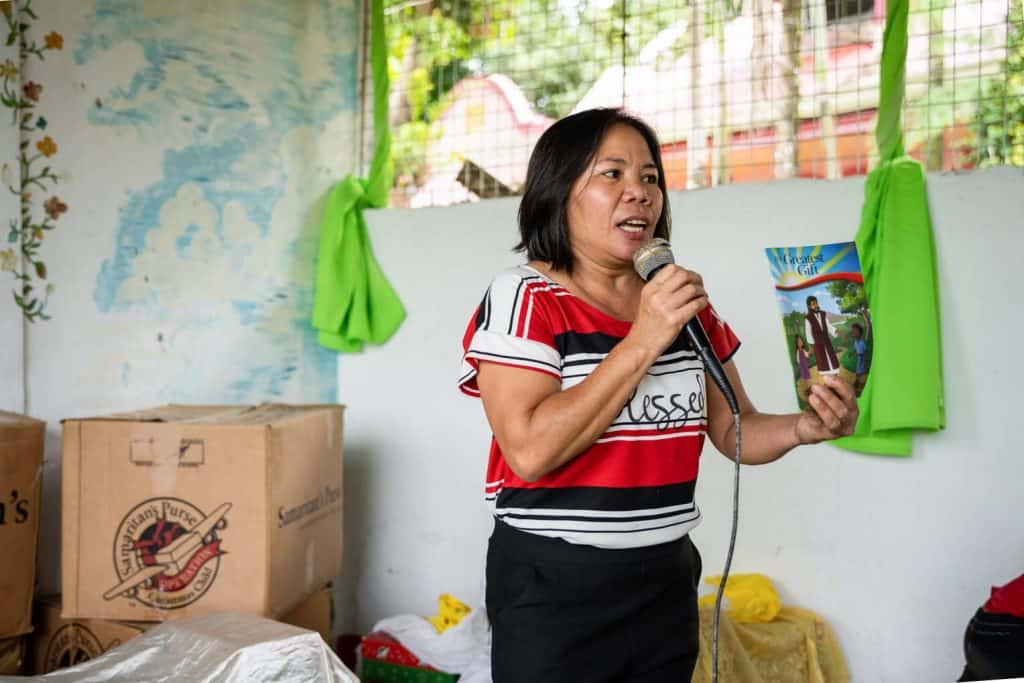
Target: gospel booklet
[{"x": 824, "y": 311}]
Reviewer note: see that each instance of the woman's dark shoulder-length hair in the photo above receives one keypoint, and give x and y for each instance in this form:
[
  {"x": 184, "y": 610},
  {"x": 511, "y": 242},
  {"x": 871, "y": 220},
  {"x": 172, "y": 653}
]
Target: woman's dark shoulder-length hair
[{"x": 561, "y": 155}]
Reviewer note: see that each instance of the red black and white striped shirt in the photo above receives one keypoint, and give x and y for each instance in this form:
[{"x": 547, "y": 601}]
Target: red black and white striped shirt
[{"x": 634, "y": 485}]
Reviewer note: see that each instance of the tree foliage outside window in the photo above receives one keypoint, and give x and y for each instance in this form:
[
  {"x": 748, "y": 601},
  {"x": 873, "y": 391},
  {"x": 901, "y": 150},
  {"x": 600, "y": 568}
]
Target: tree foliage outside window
[
  {"x": 554, "y": 50},
  {"x": 789, "y": 53},
  {"x": 1001, "y": 117}
]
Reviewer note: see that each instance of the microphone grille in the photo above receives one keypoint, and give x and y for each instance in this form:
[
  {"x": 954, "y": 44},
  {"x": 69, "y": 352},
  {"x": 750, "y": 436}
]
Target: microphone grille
[{"x": 651, "y": 256}]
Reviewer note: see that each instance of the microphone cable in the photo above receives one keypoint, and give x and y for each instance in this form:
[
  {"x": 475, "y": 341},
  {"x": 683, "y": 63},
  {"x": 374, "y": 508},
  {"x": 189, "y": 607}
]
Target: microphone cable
[
  {"x": 714, "y": 368},
  {"x": 728, "y": 556}
]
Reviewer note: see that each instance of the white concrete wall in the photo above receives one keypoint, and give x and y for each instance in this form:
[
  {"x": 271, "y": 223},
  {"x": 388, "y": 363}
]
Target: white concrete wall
[{"x": 895, "y": 553}]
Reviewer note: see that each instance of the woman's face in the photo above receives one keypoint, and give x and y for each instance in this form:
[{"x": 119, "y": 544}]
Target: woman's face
[{"x": 615, "y": 204}]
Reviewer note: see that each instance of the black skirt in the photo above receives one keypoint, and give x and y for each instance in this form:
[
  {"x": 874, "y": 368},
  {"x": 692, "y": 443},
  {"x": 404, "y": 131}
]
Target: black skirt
[{"x": 563, "y": 612}]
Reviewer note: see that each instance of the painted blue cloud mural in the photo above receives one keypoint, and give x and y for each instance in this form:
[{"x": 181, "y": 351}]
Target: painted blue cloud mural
[{"x": 239, "y": 104}]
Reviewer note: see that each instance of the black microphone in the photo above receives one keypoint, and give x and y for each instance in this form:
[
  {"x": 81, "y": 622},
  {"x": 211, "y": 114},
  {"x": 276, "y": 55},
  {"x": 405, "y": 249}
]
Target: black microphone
[{"x": 648, "y": 260}]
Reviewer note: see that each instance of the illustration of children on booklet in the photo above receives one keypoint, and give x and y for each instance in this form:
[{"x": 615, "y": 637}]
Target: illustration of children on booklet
[
  {"x": 824, "y": 309},
  {"x": 860, "y": 347}
]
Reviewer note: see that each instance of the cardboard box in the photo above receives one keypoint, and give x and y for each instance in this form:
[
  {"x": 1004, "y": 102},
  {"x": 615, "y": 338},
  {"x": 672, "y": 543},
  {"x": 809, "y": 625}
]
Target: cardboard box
[
  {"x": 185, "y": 510},
  {"x": 57, "y": 642},
  {"x": 315, "y": 614},
  {"x": 12, "y": 655},
  {"x": 21, "y": 474}
]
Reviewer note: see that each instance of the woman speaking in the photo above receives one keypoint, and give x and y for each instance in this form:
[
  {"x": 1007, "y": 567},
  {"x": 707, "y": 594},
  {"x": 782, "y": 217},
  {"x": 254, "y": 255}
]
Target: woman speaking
[{"x": 599, "y": 408}]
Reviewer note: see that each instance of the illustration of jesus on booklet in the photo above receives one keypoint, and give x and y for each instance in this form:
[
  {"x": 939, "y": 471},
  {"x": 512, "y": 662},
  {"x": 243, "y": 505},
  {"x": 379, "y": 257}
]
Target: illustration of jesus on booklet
[{"x": 820, "y": 293}]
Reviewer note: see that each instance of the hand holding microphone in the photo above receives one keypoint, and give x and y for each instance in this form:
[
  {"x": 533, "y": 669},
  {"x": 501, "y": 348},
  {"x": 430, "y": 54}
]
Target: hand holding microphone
[
  {"x": 673, "y": 297},
  {"x": 649, "y": 260}
]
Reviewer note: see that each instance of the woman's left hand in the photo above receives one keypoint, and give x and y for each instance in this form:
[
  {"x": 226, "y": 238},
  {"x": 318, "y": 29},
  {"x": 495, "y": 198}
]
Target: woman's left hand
[{"x": 833, "y": 412}]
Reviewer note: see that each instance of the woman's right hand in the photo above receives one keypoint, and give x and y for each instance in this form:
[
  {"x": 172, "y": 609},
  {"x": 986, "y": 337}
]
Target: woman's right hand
[{"x": 667, "y": 302}]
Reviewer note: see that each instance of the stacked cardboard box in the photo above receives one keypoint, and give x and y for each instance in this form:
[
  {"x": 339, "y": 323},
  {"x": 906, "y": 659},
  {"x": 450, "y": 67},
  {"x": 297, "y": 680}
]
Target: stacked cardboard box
[
  {"x": 316, "y": 613},
  {"x": 184, "y": 510},
  {"x": 21, "y": 467},
  {"x": 57, "y": 642},
  {"x": 12, "y": 655}
]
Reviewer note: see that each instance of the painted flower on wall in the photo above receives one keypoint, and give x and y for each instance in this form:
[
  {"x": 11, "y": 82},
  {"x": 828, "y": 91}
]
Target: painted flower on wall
[
  {"x": 47, "y": 147},
  {"x": 25, "y": 230},
  {"x": 54, "y": 207},
  {"x": 8, "y": 261},
  {"x": 32, "y": 90}
]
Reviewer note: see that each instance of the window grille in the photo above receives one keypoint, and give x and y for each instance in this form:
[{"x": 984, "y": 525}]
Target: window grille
[{"x": 737, "y": 90}]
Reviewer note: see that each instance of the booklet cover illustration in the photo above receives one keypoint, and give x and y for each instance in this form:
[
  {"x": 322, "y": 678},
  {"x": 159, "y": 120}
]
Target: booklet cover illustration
[{"x": 824, "y": 309}]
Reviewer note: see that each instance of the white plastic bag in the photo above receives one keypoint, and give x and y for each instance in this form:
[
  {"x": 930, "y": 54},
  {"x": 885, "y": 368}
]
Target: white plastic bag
[{"x": 219, "y": 648}]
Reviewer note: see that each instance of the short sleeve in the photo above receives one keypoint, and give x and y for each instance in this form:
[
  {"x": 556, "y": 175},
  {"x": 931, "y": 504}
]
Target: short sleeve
[
  {"x": 721, "y": 337},
  {"x": 511, "y": 326}
]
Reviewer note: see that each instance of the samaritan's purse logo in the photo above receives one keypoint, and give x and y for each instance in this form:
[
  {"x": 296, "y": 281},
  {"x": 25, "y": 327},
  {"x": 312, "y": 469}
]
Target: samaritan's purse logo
[
  {"x": 71, "y": 644},
  {"x": 167, "y": 552}
]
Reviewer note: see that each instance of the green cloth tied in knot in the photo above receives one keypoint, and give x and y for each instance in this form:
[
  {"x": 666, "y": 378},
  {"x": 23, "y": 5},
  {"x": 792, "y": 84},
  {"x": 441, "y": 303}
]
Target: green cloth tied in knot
[{"x": 354, "y": 303}]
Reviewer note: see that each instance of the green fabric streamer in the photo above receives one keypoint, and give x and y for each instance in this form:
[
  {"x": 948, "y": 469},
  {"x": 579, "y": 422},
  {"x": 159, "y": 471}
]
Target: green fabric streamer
[
  {"x": 354, "y": 303},
  {"x": 904, "y": 390},
  {"x": 888, "y": 128}
]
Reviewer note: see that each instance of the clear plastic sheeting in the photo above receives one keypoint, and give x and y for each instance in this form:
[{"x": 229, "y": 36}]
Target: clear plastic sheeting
[{"x": 217, "y": 648}]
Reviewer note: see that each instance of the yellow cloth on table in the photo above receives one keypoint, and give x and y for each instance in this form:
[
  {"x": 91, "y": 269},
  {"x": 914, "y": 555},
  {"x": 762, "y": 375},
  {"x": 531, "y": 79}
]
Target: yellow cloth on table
[
  {"x": 796, "y": 647},
  {"x": 748, "y": 597}
]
